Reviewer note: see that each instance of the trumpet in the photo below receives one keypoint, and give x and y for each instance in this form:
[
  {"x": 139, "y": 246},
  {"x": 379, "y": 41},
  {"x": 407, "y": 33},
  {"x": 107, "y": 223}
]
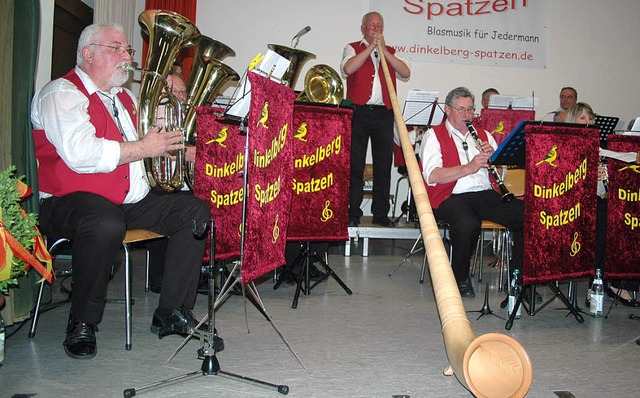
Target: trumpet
[{"x": 506, "y": 195}]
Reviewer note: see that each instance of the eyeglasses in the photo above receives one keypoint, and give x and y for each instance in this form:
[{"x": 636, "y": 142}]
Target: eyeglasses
[
  {"x": 462, "y": 109},
  {"x": 120, "y": 50}
]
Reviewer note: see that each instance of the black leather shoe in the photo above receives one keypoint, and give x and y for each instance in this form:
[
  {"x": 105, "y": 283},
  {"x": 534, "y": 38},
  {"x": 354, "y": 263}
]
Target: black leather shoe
[
  {"x": 354, "y": 221},
  {"x": 182, "y": 322},
  {"x": 466, "y": 288},
  {"x": 384, "y": 222},
  {"x": 80, "y": 342},
  {"x": 629, "y": 303}
]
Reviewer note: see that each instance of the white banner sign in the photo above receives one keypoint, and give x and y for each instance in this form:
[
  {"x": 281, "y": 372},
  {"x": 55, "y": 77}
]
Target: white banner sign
[{"x": 509, "y": 33}]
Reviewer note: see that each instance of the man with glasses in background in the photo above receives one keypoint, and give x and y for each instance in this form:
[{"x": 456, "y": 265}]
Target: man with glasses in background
[
  {"x": 460, "y": 189},
  {"x": 93, "y": 187}
]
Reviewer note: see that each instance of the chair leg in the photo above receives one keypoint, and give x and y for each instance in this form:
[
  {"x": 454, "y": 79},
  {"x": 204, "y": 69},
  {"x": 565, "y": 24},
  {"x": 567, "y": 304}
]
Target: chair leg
[
  {"x": 36, "y": 312},
  {"x": 146, "y": 278},
  {"x": 36, "y": 308},
  {"x": 127, "y": 296}
]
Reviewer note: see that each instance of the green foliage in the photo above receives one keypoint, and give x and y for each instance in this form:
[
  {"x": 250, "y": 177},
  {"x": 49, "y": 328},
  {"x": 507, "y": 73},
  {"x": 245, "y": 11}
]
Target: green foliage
[{"x": 22, "y": 228}]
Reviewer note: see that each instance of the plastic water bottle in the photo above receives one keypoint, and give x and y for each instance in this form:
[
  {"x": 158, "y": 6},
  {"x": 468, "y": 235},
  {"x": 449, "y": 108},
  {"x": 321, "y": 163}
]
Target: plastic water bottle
[
  {"x": 514, "y": 291},
  {"x": 2, "y": 334},
  {"x": 596, "y": 306}
]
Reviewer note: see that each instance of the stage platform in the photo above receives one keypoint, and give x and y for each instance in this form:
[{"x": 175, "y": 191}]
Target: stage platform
[{"x": 367, "y": 230}]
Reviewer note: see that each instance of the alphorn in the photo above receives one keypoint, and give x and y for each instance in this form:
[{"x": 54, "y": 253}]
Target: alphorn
[{"x": 492, "y": 365}]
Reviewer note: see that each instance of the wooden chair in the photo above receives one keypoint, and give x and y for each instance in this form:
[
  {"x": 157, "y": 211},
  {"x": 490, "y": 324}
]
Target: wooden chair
[
  {"x": 131, "y": 236},
  {"x": 515, "y": 183}
]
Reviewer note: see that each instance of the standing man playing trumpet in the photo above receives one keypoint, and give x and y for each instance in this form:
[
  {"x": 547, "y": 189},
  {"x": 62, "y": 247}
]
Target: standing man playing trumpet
[
  {"x": 372, "y": 117},
  {"x": 93, "y": 187},
  {"x": 459, "y": 186}
]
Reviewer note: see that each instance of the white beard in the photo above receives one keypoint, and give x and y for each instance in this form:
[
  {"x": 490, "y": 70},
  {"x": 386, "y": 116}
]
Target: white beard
[{"x": 119, "y": 76}]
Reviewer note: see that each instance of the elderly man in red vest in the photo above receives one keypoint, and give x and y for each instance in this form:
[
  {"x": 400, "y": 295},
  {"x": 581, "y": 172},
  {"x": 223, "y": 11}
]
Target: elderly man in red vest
[
  {"x": 372, "y": 118},
  {"x": 93, "y": 187},
  {"x": 459, "y": 188}
]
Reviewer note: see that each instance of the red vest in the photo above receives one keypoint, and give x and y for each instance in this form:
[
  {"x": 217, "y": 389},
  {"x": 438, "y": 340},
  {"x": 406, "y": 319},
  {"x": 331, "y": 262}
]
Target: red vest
[
  {"x": 56, "y": 178},
  {"x": 360, "y": 82},
  {"x": 450, "y": 158}
]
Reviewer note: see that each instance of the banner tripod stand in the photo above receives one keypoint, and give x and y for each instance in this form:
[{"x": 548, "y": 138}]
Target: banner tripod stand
[
  {"x": 305, "y": 258},
  {"x": 210, "y": 365}
]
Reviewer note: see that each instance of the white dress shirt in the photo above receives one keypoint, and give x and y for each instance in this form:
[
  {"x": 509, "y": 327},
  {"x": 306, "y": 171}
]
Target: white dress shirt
[
  {"x": 376, "y": 91},
  {"x": 431, "y": 156},
  {"x": 61, "y": 110}
]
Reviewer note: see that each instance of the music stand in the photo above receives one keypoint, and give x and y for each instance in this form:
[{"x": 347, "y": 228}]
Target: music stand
[
  {"x": 606, "y": 124},
  {"x": 512, "y": 152},
  {"x": 210, "y": 365}
]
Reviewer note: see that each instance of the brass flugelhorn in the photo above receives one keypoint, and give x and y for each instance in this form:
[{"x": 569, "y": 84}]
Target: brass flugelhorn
[
  {"x": 491, "y": 365},
  {"x": 506, "y": 196},
  {"x": 168, "y": 33},
  {"x": 208, "y": 75}
]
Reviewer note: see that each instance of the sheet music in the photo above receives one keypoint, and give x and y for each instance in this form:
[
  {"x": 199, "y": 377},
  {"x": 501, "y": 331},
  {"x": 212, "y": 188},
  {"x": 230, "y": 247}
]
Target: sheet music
[
  {"x": 636, "y": 125},
  {"x": 274, "y": 66},
  {"x": 627, "y": 157},
  {"x": 418, "y": 106},
  {"x": 497, "y": 101}
]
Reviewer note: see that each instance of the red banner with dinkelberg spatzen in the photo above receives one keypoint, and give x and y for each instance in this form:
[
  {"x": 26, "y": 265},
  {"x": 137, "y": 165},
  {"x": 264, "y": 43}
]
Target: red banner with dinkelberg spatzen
[
  {"x": 219, "y": 178},
  {"x": 560, "y": 202},
  {"x": 623, "y": 211},
  {"x": 321, "y": 152}
]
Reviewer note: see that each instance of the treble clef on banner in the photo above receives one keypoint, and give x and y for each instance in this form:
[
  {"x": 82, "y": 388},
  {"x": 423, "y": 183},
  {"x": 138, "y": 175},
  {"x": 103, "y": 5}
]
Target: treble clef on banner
[
  {"x": 575, "y": 245},
  {"x": 276, "y": 230},
  {"x": 327, "y": 213}
]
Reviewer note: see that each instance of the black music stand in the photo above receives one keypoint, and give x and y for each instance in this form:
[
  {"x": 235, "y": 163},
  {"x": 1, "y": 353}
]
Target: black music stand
[
  {"x": 512, "y": 152},
  {"x": 210, "y": 365},
  {"x": 607, "y": 125}
]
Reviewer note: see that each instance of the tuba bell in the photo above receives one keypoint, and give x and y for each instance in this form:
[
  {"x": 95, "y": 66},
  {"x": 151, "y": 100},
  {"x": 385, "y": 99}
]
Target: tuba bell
[
  {"x": 322, "y": 84},
  {"x": 168, "y": 33},
  {"x": 297, "y": 59},
  {"x": 207, "y": 76}
]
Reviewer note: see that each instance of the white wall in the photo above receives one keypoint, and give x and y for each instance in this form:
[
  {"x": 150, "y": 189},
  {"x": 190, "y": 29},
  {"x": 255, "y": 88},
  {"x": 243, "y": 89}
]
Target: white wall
[{"x": 592, "y": 47}]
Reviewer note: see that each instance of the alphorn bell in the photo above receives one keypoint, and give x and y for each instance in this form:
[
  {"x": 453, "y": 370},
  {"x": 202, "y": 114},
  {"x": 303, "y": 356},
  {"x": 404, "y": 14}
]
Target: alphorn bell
[{"x": 491, "y": 365}]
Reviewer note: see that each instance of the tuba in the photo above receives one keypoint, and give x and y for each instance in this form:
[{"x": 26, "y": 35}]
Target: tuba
[
  {"x": 322, "y": 84},
  {"x": 168, "y": 33},
  {"x": 296, "y": 57},
  {"x": 207, "y": 76}
]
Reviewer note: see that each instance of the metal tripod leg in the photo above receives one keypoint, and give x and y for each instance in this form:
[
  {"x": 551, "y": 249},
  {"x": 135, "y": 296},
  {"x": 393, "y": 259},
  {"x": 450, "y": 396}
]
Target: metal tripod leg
[{"x": 305, "y": 277}]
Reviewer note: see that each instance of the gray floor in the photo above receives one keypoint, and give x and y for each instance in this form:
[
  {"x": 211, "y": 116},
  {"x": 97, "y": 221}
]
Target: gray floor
[{"x": 382, "y": 341}]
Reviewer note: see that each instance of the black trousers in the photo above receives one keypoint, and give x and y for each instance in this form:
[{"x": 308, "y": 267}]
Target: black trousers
[
  {"x": 464, "y": 214},
  {"x": 375, "y": 123},
  {"x": 97, "y": 227}
]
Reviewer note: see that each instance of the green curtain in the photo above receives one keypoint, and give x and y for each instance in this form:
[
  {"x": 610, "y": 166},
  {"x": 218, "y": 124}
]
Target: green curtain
[{"x": 26, "y": 27}]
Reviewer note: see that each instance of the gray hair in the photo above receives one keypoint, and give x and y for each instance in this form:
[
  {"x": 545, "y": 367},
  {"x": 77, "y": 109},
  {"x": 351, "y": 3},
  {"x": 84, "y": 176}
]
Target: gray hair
[
  {"x": 460, "y": 92},
  {"x": 90, "y": 34},
  {"x": 364, "y": 18}
]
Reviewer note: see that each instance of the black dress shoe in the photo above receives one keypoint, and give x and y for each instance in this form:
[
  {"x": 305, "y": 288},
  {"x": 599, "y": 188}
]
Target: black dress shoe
[
  {"x": 354, "y": 221},
  {"x": 80, "y": 342},
  {"x": 384, "y": 222},
  {"x": 466, "y": 288},
  {"x": 629, "y": 303},
  {"x": 181, "y": 322}
]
